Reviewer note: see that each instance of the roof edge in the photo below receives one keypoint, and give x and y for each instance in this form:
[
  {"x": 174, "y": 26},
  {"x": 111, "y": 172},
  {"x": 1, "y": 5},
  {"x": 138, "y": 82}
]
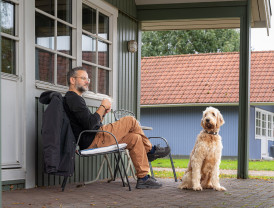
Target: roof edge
[
  {"x": 204, "y": 54},
  {"x": 202, "y": 104}
]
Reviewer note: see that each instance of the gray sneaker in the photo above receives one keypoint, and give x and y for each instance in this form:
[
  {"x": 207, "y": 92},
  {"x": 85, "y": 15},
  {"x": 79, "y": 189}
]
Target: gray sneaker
[
  {"x": 160, "y": 152},
  {"x": 150, "y": 183}
]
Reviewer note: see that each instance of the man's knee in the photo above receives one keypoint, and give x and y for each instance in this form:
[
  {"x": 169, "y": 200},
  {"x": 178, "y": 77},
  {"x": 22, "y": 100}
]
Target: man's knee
[{"x": 134, "y": 141}]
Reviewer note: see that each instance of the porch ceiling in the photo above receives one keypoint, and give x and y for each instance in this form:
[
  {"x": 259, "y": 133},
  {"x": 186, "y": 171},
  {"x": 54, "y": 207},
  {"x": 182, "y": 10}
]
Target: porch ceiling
[{"x": 260, "y": 16}]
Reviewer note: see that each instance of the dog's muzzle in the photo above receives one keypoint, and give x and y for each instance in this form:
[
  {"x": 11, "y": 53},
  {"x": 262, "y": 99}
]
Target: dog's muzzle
[{"x": 208, "y": 124}]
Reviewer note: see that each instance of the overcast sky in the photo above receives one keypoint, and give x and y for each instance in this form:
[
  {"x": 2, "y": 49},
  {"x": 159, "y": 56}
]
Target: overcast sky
[{"x": 259, "y": 39}]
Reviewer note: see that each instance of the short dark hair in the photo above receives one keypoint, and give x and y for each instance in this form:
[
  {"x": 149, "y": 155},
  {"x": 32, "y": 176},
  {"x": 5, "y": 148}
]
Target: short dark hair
[{"x": 73, "y": 71}]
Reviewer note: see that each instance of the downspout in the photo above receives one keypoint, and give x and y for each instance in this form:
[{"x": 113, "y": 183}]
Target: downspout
[
  {"x": 139, "y": 57},
  {"x": 244, "y": 94}
]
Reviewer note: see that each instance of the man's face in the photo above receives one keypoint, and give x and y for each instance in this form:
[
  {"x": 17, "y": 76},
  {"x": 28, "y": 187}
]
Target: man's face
[{"x": 81, "y": 81}]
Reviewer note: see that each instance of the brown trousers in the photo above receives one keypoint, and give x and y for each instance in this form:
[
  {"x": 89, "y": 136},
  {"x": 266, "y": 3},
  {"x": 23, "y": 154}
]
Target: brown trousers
[{"x": 127, "y": 130}]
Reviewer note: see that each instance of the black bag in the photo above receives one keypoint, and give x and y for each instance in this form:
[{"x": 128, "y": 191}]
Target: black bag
[{"x": 57, "y": 137}]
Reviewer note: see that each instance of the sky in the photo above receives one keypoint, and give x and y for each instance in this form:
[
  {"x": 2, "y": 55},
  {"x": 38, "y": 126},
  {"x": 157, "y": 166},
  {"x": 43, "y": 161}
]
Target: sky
[{"x": 259, "y": 39}]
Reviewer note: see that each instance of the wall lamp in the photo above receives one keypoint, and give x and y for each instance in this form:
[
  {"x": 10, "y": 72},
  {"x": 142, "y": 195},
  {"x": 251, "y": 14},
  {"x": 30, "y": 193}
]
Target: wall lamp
[{"x": 132, "y": 46}]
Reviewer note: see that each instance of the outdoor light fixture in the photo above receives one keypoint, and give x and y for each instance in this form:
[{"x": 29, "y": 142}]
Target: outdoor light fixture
[{"x": 132, "y": 46}]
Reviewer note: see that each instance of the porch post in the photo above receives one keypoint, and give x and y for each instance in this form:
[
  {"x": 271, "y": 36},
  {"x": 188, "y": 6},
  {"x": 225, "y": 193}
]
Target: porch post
[{"x": 244, "y": 94}]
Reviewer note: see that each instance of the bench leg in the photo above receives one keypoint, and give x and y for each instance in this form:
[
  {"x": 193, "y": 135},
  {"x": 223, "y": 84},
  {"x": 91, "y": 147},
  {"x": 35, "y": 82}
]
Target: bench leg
[
  {"x": 151, "y": 169},
  {"x": 172, "y": 165},
  {"x": 64, "y": 183}
]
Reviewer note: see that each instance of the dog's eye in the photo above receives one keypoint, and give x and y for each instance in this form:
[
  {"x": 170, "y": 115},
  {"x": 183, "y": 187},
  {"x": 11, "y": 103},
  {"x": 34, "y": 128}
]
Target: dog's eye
[
  {"x": 205, "y": 115},
  {"x": 213, "y": 114}
]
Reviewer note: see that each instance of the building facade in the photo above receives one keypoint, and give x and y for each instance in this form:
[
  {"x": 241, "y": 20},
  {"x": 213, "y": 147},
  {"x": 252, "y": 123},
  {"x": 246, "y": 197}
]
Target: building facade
[
  {"x": 177, "y": 89},
  {"x": 41, "y": 40}
]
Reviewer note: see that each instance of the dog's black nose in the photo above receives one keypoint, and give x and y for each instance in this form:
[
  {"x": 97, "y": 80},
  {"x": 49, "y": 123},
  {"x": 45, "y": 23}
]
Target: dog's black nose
[{"x": 207, "y": 120}]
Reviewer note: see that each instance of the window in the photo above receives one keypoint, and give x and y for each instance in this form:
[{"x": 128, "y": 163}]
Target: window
[
  {"x": 96, "y": 48},
  {"x": 264, "y": 124},
  {"x": 269, "y": 125},
  {"x": 258, "y": 123},
  {"x": 9, "y": 33},
  {"x": 65, "y": 37},
  {"x": 53, "y": 40}
]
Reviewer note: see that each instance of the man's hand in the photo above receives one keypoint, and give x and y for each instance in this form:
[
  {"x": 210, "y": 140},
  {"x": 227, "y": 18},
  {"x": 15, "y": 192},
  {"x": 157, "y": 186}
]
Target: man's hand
[{"x": 107, "y": 104}]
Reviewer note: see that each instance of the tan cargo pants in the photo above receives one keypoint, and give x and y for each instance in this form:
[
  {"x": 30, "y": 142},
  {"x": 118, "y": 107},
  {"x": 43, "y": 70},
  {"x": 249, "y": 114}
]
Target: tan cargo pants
[{"x": 127, "y": 130}]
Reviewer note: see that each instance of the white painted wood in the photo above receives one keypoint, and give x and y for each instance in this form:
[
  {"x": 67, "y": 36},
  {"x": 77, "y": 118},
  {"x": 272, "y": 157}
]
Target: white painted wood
[
  {"x": 13, "y": 174},
  {"x": 264, "y": 147},
  {"x": 11, "y": 131},
  {"x": 191, "y": 24}
]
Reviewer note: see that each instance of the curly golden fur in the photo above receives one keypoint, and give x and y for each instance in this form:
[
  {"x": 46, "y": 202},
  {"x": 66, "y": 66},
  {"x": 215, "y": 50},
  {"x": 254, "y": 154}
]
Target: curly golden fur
[{"x": 205, "y": 158}]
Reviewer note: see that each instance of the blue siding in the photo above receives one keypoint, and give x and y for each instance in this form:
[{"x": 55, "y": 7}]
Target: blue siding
[
  {"x": 270, "y": 143},
  {"x": 181, "y": 125},
  {"x": 254, "y": 144},
  {"x": 269, "y": 108}
]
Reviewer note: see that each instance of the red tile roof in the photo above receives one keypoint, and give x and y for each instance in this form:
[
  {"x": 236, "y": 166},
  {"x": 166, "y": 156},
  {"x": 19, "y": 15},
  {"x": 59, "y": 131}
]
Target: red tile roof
[{"x": 204, "y": 78}]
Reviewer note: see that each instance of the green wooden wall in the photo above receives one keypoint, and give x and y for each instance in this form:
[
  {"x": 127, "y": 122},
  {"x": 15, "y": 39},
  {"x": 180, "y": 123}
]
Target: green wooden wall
[{"x": 127, "y": 24}]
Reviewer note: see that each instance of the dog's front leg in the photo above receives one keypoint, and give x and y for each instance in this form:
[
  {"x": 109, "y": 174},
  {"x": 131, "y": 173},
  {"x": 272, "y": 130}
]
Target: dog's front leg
[
  {"x": 215, "y": 179},
  {"x": 196, "y": 172}
]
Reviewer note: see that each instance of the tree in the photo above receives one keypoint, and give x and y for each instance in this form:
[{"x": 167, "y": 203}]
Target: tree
[{"x": 162, "y": 43}]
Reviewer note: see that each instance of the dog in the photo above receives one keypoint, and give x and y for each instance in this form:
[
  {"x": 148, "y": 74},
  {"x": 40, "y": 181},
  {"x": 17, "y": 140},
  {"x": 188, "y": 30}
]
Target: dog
[{"x": 203, "y": 167}]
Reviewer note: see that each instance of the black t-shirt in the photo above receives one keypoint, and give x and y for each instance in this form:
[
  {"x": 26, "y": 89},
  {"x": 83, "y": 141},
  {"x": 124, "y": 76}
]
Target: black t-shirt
[{"x": 81, "y": 118}]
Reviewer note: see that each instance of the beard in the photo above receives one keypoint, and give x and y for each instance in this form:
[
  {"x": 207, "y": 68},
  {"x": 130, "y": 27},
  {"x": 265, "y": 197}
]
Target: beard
[{"x": 82, "y": 89}]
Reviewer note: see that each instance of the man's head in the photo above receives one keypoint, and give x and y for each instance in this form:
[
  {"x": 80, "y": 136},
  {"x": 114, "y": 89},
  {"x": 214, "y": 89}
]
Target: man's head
[{"x": 78, "y": 80}]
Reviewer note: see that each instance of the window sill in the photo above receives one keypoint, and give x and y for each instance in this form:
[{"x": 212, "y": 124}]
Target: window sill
[
  {"x": 10, "y": 77},
  {"x": 63, "y": 89}
]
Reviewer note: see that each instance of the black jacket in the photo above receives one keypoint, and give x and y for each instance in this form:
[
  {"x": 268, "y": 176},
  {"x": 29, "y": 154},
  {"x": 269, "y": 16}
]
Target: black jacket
[{"x": 57, "y": 137}]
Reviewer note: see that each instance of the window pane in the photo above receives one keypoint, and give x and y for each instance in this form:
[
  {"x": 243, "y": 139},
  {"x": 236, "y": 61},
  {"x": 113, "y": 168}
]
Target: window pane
[
  {"x": 64, "y": 10},
  {"x": 103, "y": 51},
  {"x": 63, "y": 66},
  {"x": 269, "y": 126},
  {"x": 7, "y": 18},
  {"x": 91, "y": 70},
  {"x": 103, "y": 81},
  {"x": 258, "y": 131},
  {"x": 89, "y": 19},
  {"x": 63, "y": 38},
  {"x": 44, "y": 31},
  {"x": 103, "y": 26},
  {"x": 45, "y": 5},
  {"x": 88, "y": 48},
  {"x": 8, "y": 56},
  {"x": 273, "y": 126},
  {"x": 44, "y": 66},
  {"x": 263, "y": 124}
]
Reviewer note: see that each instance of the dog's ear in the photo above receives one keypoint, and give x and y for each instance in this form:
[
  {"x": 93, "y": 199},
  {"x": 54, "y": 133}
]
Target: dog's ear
[
  {"x": 202, "y": 123},
  {"x": 220, "y": 120}
]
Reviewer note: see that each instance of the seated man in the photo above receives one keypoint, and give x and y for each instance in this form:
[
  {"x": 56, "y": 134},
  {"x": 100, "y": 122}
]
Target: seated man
[{"x": 126, "y": 130}]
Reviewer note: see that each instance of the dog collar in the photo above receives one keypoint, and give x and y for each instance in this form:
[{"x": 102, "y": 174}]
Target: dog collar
[{"x": 213, "y": 133}]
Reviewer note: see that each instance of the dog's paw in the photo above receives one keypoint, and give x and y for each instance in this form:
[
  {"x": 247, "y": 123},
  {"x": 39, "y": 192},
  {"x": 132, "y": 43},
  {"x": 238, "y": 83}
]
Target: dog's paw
[
  {"x": 182, "y": 186},
  {"x": 220, "y": 188},
  {"x": 197, "y": 188}
]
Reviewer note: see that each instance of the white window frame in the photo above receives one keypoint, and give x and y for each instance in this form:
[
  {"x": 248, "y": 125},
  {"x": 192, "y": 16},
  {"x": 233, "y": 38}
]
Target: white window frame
[
  {"x": 268, "y": 115},
  {"x": 76, "y": 56},
  {"x": 54, "y": 86},
  {"x": 16, "y": 38}
]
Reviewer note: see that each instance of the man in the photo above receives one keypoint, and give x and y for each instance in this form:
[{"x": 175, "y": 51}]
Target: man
[{"x": 126, "y": 130}]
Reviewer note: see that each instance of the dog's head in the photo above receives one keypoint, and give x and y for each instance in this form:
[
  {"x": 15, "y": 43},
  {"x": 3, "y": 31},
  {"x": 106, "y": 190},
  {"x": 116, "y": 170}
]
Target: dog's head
[{"x": 212, "y": 119}]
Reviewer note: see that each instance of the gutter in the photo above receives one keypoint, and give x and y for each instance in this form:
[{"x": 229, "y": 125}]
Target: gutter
[{"x": 203, "y": 104}]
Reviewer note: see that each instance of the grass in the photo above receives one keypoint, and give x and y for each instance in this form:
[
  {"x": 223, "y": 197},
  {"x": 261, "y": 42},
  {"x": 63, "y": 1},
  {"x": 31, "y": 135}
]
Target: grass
[
  {"x": 258, "y": 165},
  {"x": 179, "y": 174}
]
